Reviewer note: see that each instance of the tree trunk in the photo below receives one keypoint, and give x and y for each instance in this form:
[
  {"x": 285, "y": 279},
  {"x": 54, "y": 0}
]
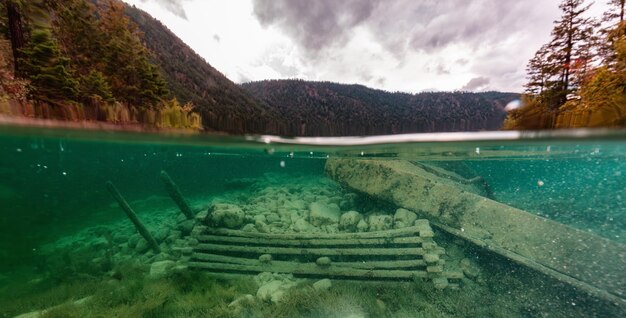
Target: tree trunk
[{"x": 16, "y": 30}]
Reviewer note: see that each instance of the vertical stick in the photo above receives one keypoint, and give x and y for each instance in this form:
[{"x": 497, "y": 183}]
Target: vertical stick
[
  {"x": 174, "y": 192},
  {"x": 133, "y": 217}
]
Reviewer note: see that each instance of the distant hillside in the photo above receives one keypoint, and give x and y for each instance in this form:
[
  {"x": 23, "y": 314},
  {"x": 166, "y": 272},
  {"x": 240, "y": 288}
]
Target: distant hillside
[
  {"x": 224, "y": 106},
  {"x": 330, "y": 109}
]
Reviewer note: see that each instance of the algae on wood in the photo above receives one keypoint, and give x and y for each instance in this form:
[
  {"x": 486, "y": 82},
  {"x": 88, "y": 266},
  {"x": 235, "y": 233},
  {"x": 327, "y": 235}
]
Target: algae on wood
[
  {"x": 407, "y": 253},
  {"x": 580, "y": 258}
]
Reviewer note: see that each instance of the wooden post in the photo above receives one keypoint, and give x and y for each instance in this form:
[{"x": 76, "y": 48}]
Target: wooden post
[
  {"x": 174, "y": 192},
  {"x": 133, "y": 217}
]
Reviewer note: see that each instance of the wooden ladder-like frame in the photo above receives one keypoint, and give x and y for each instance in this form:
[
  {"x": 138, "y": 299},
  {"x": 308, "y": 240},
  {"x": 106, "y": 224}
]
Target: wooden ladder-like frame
[{"x": 401, "y": 254}]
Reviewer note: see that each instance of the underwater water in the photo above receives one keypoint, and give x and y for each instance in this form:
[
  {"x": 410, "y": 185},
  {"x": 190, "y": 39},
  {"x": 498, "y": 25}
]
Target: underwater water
[{"x": 442, "y": 225}]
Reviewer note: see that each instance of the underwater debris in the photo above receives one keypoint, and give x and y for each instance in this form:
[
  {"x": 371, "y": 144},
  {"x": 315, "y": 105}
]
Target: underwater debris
[
  {"x": 174, "y": 193},
  {"x": 133, "y": 217},
  {"x": 582, "y": 259},
  {"x": 406, "y": 253}
]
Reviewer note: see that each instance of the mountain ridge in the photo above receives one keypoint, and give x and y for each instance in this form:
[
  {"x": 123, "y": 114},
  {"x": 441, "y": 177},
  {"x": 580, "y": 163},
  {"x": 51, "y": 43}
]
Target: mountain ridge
[{"x": 332, "y": 109}]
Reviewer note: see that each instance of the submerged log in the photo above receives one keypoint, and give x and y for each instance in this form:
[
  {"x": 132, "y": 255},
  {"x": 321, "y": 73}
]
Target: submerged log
[
  {"x": 133, "y": 217},
  {"x": 174, "y": 192},
  {"x": 587, "y": 261}
]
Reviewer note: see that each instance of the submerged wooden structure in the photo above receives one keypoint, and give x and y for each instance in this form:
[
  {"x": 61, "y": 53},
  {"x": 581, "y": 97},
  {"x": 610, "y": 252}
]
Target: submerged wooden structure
[
  {"x": 582, "y": 259},
  {"x": 403, "y": 254}
]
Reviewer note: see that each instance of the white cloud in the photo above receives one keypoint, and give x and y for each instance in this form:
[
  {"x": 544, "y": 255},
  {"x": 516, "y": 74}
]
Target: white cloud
[{"x": 397, "y": 45}]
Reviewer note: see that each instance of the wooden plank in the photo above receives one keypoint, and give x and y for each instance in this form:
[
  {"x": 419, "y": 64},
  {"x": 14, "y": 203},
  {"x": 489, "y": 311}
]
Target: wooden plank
[
  {"x": 382, "y": 264},
  {"x": 356, "y": 265},
  {"x": 312, "y": 269},
  {"x": 311, "y": 251},
  {"x": 557, "y": 249},
  {"x": 320, "y": 241},
  {"x": 302, "y": 236}
]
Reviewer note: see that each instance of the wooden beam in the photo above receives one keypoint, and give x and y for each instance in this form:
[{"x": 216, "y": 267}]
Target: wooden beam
[
  {"x": 554, "y": 248},
  {"x": 378, "y": 234},
  {"x": 321, "y": 241},
  {"x": 311, "y": 251},
  {"x": 312, "y": 269}
]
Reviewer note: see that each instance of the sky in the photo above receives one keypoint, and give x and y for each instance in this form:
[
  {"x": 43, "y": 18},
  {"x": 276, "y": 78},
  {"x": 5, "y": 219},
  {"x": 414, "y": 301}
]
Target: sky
[{"x": 395, "y": 45}]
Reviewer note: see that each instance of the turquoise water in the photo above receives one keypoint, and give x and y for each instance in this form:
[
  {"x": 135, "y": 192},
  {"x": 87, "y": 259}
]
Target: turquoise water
[{"x": 64, "y": 238}]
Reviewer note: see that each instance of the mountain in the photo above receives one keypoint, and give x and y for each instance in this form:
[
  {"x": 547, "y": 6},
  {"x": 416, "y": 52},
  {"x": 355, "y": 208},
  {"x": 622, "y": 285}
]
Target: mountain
[
  {"x": 331, "y": 109},
  {"x": 224, "y": 106}
]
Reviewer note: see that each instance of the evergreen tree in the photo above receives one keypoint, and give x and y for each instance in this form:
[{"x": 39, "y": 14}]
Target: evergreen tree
[
  {"x": 95, "y": 84},
  {"x": 47, "y": 70},
  {"x": 18, "y": 13},
  {"x": 538, "y": 72},
  {"x": 615, "y": 28},
  {"x": 565, "y": 50},
  {"x": 134, "y": 79},
  {"x": 76, "y": 28}
]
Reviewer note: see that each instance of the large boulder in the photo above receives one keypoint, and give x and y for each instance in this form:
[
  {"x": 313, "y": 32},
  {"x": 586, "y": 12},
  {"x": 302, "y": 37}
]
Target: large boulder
[
  {"x": 323, "y": 214},
  {"x": 226, "y": 215}
]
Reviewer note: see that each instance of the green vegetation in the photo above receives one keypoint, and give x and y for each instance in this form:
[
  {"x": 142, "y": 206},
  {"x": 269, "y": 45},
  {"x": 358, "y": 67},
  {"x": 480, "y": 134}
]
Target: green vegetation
[
  {"x": 579, "y": 78},
  {"x": 127, "y": 292},
  {"x": 331, "y": 109},
  {"x": 81, "y": 61}
]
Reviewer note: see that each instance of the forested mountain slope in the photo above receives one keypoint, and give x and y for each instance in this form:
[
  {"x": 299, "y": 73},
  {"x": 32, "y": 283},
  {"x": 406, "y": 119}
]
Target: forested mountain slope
[{"x": 323, "y": 108}]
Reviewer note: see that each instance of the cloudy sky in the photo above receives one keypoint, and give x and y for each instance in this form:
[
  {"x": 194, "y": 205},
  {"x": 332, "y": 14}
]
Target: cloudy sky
[{"x": 396, "y": 45}]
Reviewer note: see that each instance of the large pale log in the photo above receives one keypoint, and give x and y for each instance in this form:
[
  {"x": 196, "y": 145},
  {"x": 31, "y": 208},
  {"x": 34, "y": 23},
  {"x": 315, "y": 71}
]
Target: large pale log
[{"x": 587, "y": 261}]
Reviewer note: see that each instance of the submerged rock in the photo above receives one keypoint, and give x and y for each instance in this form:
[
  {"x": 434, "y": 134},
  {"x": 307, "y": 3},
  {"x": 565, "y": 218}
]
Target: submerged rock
[
  {"x": 186, "y": 226},
  {"x": 249, "y": 228},
  {"x": 380, "y": 222},
  {"x": 323, "y": 261},
  {"x": 261, "y": 227},
  {"x": 362, "y": 226},
  {"x": 142, "y": 246},
  {"x": 238, "y": 304},
  {"x": 301, "y": 225},
  {"x": 274, "y": 291},
  {"x": 265, "y": 258},
  {"x": 161, "y": 268},
  {"x": 322, "y": 285},
  {"x": 323, "y": 214},
  {"x": 403, "y": 218},
  {"x": 226, "y": 215},
  {"x": 470, "y": 269},
  {"x": 349, "y": 221}
]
